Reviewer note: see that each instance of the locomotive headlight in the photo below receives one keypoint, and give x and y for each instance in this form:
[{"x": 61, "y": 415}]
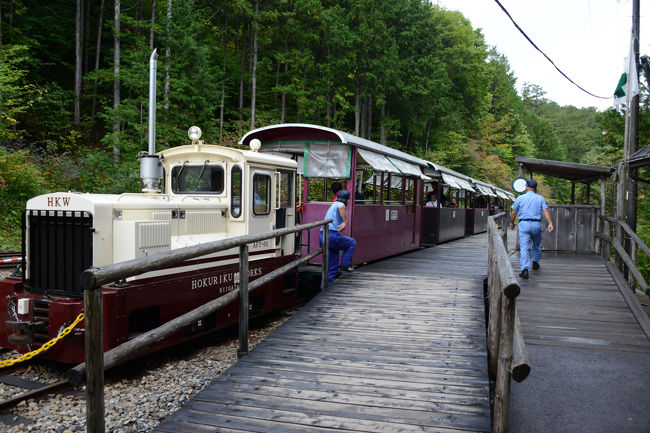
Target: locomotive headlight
[
  {"x": 194, "y": 133},
  {"x": 255, "y": 144}
]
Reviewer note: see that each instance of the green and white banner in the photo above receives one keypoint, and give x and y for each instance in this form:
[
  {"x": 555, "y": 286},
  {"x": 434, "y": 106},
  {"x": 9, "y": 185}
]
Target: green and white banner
[{"x": 628, "y": 85}]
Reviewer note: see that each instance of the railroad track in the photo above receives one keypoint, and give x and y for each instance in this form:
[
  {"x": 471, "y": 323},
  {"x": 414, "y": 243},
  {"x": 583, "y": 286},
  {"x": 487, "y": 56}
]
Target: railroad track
[
  {"x": 34, "y": 389},
  {"x": 10, "y": 259}
]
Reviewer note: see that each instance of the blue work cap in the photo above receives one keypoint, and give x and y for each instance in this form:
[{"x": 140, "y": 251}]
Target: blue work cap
[
  {"x": 343, "y": 196},
  {"x": 531, "y": 183}
]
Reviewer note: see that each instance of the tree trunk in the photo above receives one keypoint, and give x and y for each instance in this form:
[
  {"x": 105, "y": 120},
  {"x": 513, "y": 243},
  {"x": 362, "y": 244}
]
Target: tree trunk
[
  {"x": 329, "y": 89},
  {"x": 254, "y": 77},
  {"x": 382, "y": 130},
  {"x": 77, "y": 63},
  {"x": 284, "y": 80},
  {"x": 167, "y": 58},
  {"x": 369, "y": 123},
  {"x": 223, "y": 83},
  {"x": 426, "y": 143},
  {"x": 153, "y": 21},
  {"x": 357, "y": 111},
  {"x": 11, "y": 21},
  {"x": 136, "y": 18},
  {"x": 241, "y": 79},
  {"x": 86, "y": 38},
  {"x": 97, "y": 51},
  {"x": 116, "y": 81}
]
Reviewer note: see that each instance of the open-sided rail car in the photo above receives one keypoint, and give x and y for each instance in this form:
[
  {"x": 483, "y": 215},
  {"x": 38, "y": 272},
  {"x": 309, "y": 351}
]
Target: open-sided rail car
[
  {"x": 385, "y": 213},
  {"x": 445, "y": 223}
]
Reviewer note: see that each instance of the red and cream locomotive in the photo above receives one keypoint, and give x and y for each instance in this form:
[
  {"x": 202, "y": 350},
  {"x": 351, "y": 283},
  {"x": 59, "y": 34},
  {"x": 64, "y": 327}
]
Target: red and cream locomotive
[{"x": 209, "y": 193}]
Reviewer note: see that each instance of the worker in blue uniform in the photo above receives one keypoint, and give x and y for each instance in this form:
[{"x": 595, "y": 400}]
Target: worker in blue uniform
[
  {"x": 530, "y": 207},
  {"x": 337, "y": 242}
]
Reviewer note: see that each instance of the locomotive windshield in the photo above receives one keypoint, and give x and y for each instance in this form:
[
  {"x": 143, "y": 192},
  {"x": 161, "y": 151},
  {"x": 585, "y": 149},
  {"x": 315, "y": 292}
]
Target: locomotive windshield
[{"x": 201, "y": 179}]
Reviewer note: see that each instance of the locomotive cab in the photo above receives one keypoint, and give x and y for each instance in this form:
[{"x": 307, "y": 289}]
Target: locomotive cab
[{"x": 208, "y": 193}]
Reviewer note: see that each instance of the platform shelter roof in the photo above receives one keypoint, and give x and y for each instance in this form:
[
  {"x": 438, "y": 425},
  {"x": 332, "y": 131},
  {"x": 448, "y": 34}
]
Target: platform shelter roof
[
  {"x": 641, "y": 157},
  {"x": 573, "y": 171}
]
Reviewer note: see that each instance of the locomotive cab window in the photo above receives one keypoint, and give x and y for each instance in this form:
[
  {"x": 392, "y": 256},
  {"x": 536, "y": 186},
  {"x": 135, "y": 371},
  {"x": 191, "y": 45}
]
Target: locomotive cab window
[
  {"x": 286, "y": 189},
  {"x": 198, "y": 179},
  {"x": 235, "y": 191},
  {"x": 261, "y": 194}
]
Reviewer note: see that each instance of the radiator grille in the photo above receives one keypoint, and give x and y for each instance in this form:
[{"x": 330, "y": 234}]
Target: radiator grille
[
  {"x": 59, "y": 249},
  {"x": 203, "y": 221},
  {"x": 154, "y": 234}
]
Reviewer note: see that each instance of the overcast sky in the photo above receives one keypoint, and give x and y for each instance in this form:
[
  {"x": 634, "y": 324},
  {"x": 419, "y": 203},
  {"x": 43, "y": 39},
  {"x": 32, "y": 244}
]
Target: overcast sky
[{"x": 587, "y": 39}]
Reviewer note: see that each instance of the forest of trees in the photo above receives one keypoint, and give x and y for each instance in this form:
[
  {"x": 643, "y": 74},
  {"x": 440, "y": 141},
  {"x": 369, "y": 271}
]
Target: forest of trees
[{"x": 405, "y": 73}]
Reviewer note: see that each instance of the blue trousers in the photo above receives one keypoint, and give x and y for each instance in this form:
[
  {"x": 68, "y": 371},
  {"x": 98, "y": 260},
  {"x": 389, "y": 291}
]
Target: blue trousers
[
  {"x": 338, "y": 242},
  {"x": 529, "y": 231}
]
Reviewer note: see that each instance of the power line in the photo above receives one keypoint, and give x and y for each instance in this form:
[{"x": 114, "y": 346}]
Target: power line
[{"x": 544, "y": 54}]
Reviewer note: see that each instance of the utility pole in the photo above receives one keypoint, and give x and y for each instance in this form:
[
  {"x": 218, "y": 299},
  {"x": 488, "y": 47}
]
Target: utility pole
[{"x": 631, "y": 196}]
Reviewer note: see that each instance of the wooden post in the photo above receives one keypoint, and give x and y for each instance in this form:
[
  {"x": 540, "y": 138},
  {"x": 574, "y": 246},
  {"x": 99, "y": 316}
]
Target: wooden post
[
  {"x": 502, "y": 386},
  {"x": 633, "y": 256},
  {"x": 243, "y": 301},
  {"x": 520, "y": 367},
  {"x": 620, "y": 207},
  {"x": 495, "y": 310},
  {"x": 607, "y": 248},
  {"x": 588, "y": 193},
  {"x": 94, "y": 342},
  {"x": 573, "y": 193},
  {"x": 325, "y": 254},
  {"x": 599, "y": 223}
]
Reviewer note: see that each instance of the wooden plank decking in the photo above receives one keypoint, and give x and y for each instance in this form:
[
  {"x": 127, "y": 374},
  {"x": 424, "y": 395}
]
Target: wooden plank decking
[
  {"x": 573, "y": 302},
  {"x": 396, "y": 346},
  {"x": 587, "y": 352}
]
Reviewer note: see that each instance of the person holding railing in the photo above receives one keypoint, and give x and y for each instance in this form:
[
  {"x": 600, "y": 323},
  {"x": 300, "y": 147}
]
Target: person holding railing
[
  {"x": 530, "y": 207},
  {"x": 337, "y": 242}
]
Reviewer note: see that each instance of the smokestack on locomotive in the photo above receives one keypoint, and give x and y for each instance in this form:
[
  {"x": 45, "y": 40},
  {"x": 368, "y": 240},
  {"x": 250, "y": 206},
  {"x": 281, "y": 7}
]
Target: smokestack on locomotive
[{"x": 151, "y": 168}]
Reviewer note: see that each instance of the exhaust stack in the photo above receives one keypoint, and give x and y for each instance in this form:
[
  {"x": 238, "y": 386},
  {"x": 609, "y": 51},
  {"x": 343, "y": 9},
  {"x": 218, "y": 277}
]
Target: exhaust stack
[{"x": 151, "y": 171}]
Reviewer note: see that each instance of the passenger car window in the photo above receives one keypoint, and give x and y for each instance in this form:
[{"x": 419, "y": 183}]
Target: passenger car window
[
  {"x": 201, "y": 179},
  {"x": 261, "y": 194},
  {"x": 235, "y": 191}
]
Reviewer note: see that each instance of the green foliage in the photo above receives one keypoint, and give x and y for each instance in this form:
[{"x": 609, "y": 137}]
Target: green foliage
[
  {"x": 16, "y": 94},
  {"x": 20, "y": 180},
  {"x": 408, "y": 72}
]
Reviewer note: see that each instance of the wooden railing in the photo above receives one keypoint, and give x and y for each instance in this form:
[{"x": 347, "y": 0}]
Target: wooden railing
[
  {"x": 633, "y": 275},
  {"x": 92, "y": 280},
  {"x": 507, "y": 355},
  {"x": 624, "y": 268}
]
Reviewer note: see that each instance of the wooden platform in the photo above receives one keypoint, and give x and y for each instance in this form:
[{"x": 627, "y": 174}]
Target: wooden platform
[
  {"x": 396, "y": 346},
  {"x": 587, "y": 352},
  {"x": 573, "y": 302}
]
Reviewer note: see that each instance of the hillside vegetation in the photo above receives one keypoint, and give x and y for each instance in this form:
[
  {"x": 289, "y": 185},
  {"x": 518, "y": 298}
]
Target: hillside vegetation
[{"x": 411, "y": 75}]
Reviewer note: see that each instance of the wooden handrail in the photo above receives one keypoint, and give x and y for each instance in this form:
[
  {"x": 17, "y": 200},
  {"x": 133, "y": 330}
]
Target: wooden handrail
[
  {"x": 634, "y": 276},
  {"x": 507, "y": 354},
  {"x": 626, "y": 259},
  {"x": 629, "y": 232},
  {"x": 96, "y": 277},
  {"x": 92, "y": 279}
]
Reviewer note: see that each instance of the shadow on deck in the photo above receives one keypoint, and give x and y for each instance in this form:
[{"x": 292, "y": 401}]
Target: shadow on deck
[
  {"x": 588, "y": 354},
  {"x": 398, "y": 345}
]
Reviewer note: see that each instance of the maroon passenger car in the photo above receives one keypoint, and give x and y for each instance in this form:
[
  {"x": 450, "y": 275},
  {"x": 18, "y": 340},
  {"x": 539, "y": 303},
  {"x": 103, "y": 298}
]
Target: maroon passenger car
[{"x": 386, "y": 185}]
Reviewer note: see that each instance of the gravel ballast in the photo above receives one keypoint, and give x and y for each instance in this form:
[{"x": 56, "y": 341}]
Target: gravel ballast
[{"x": 137, "y": 403}]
